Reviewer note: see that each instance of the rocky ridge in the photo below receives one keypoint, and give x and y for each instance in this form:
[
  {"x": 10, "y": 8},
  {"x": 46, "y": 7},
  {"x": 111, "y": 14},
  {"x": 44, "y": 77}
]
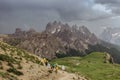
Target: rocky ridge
[{"x": 57, "y": 38}]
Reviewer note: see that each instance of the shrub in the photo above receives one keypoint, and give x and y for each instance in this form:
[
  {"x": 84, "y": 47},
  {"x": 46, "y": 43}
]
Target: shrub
[
  {"x": 6, "y": 58},
  {"x": 14, "y": 71},
  {"x": 1, "y": 67},
  {"x": 10, "y": 64},
  {"x": 8, "y": 76},
  {"x": 19, "y": 66}
]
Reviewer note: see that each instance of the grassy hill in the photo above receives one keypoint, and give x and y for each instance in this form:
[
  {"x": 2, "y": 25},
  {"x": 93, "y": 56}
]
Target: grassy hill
[
  {"x": 92, "y": 66},
  {"x": 16, "y": 64}
]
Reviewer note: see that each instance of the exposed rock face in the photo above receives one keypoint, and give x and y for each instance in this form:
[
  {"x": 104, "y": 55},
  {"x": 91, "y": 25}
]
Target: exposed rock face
[
  {"x": 111, "y": 35},
  {"x": 76, "y": 37},
  {"x": 108, "y": 58},
  {"x": 57, "y": 38},
  {"x": 43, "y": 45}
]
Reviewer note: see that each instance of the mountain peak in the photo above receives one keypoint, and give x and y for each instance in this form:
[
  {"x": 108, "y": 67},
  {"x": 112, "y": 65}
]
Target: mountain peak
[
  {"x": 55, "y": 27},
  {"x": 111, "y": 35},
  {"x": 72, "y": 35}
]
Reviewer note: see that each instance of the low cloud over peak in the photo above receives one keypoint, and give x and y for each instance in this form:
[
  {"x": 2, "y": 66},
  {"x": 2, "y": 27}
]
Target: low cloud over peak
[{"x": 37, "y": 13}]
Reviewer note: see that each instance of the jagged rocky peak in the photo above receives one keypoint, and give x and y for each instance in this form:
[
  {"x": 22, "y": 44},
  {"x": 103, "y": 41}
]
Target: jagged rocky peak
[
  {"x": 56, "y": 27},
  {"x": 31, "y": 30},
  {"x": 75, "y": 28},
  {"x": 18, "y": 30},
  {"x": 72, "y": 35},
  {"x": 22, "y": 33},
  {"x": 84, "y": 30},
  {"x": 68, "y": 33},
  {"x": 111, "y": 35}
]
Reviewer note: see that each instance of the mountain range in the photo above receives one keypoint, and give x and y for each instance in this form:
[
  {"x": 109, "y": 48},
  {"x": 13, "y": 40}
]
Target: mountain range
[{"x": 60, "y": 40}]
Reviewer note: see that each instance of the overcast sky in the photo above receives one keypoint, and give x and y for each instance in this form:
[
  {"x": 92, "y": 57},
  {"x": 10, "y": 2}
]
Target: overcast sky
[{"x": 95, "y": 14}]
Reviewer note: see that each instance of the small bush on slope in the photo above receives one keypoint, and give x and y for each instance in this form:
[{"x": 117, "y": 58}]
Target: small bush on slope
[{"x": 14, "y": 71}]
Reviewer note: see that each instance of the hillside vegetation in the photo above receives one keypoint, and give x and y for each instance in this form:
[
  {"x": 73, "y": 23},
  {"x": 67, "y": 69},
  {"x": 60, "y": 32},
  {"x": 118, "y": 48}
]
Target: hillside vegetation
[
  {"x": 16, "y": 64},
  {"x": 93, "y": 66}
]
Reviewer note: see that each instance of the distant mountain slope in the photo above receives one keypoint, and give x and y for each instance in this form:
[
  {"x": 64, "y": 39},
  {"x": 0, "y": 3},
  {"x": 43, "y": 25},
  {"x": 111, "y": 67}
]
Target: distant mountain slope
[
  {"x": 111, "y": 35},
  {"x": 93, "y": 66}
]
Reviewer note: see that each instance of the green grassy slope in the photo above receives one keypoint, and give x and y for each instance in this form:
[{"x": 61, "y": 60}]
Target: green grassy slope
[
  {"x": 92, "y": 66},
  {"x": 17, "y": 64}
]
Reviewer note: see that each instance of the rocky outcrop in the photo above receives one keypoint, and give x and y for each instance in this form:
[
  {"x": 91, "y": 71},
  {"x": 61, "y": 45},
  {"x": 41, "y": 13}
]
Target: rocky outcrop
[{"x": 108, "y": 58}]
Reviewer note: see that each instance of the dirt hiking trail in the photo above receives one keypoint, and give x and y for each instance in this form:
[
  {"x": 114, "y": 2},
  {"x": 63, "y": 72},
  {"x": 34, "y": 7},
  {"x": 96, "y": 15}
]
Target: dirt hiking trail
[{"x": 62, "y": 75}]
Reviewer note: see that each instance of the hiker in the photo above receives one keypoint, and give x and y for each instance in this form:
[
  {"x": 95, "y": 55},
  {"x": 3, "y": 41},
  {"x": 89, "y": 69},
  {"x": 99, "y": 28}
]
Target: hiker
[
  {"x": 42, "y": 61},
  {"x": 45, "y": 61},
  {"x": 63, "y": 68},
  {"x": 56, "y": 68},
  {"x": 52, "y": 66},
  {"x": 48, "y": 66}
]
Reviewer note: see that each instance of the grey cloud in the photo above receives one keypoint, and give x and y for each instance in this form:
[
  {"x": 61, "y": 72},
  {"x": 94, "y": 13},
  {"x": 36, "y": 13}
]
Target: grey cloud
[
  {"x": 107, "y": 1},
  {"x": 68, "y": 10},
  {"x": 37, "y": 13},
  {"x": 114, "y": 5}
]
